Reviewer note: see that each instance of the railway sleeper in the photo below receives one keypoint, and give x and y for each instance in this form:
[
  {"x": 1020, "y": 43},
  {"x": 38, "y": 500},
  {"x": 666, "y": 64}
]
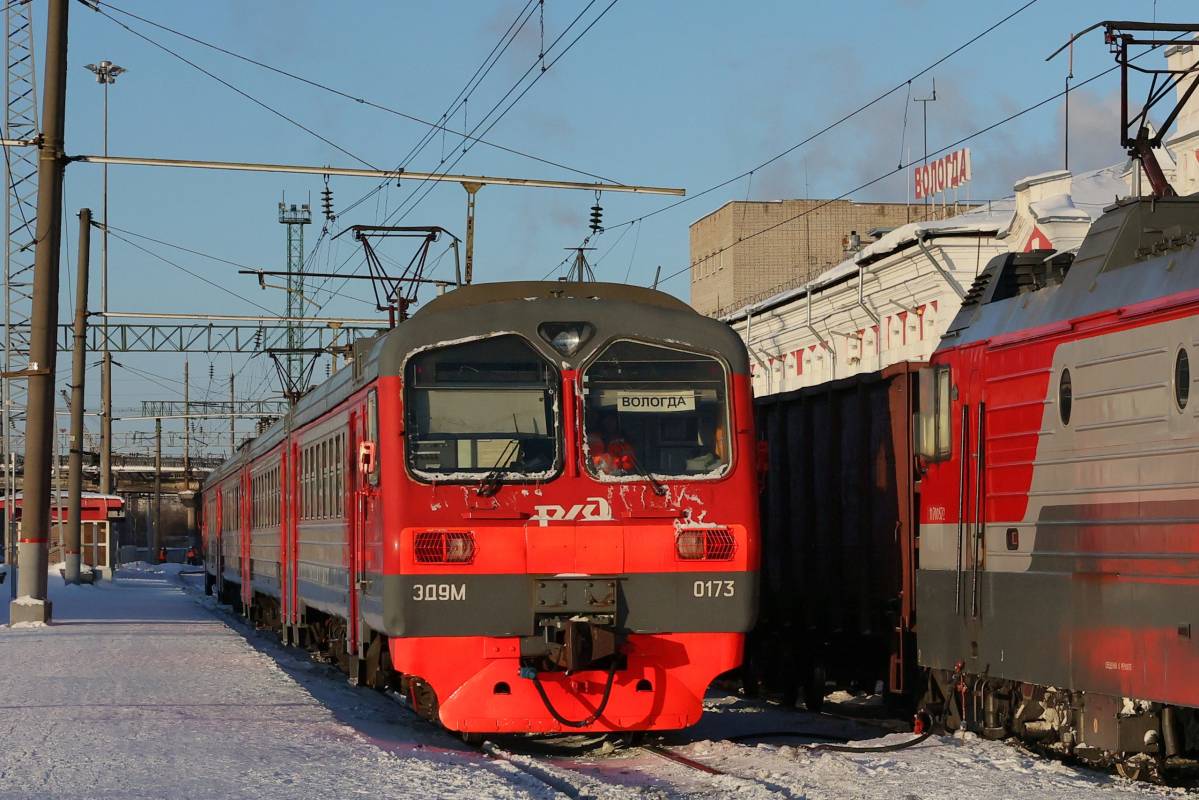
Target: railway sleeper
[{"x": 1135, "y": 737}]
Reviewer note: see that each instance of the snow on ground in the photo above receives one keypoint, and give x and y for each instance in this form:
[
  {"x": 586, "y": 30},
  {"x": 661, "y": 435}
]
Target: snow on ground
[
  {"x": 138, "y": 690},
  {"x": 143, "y": 689}
]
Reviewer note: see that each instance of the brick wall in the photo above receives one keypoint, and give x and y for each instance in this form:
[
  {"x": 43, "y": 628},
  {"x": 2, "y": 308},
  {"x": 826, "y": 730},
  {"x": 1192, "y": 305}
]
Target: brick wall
[{"x": 786, "y": 255}]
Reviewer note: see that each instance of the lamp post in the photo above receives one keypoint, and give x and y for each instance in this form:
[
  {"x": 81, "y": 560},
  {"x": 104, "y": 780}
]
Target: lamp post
[{"x": 106, "y": 73}]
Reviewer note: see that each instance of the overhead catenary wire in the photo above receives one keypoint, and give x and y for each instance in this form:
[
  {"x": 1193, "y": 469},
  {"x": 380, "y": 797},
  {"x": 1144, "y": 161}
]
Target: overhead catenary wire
[
  {"x": 91, "y": 4},
  {"x": 435, "y": 126},
  {"x": 492, "y": 124},
  {"x": 836, "y": 123},
  {"x": 184, "y": 269},
  {"x": 900, "y": 168},
  {"x": 517, "y": 99}
]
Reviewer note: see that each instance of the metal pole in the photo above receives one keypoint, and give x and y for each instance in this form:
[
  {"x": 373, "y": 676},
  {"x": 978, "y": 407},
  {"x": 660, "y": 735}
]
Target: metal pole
[
  {"x": 39, "y": 425},
  {"x": 155, "y": 541},
  {"x": 187, "y": 426},
  {"x": 106, "y": 359},
  {"x": 232, "y": 416},
  {"x": 471, "y": 190},
  {"x": 75, "y": 488},
  {"x": 58, "y": 515}
]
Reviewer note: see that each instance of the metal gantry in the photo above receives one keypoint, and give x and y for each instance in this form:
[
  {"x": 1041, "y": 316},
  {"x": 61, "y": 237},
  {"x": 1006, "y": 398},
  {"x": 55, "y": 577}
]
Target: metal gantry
[
  {"x": 202, "y": 408},
  {"x": 218, "y": 338},
  {"x": 20, "y": 232}
]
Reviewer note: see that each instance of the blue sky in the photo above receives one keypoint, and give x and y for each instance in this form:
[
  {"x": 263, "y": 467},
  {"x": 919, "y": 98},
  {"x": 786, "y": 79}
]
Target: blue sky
[{"x": 681, "y": 94}]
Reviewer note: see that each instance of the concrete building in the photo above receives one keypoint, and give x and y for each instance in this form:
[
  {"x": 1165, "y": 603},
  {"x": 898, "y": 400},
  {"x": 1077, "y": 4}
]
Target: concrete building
[{"x": 802, "y": 238}]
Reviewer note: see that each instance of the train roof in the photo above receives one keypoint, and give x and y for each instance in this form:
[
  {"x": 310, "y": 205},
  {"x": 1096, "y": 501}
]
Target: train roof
[
  {"x": 514, "y": 307},
  {"x": 1128, "y": 257}
]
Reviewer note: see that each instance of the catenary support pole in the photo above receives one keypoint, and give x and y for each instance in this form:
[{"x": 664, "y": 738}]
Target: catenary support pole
[
  {"x": 232, "y": 416},
  {"x": 39, "y": 425},
  {"x": 187, "y": 429},
  {"x": 155, "y": 535},
  {"x": 75, "y": 487}
]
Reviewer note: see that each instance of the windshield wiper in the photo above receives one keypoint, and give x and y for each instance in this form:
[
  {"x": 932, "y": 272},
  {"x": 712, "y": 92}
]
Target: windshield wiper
[
  {"x": 659, "y": 489},
  {"x": 489, "y": 484}
]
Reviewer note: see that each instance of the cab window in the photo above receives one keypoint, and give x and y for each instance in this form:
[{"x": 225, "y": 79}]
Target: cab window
[
  {"x": 652, "y": 410},
  {"x": 487, "y": 407},
  {"x": 933, "y": 426}
]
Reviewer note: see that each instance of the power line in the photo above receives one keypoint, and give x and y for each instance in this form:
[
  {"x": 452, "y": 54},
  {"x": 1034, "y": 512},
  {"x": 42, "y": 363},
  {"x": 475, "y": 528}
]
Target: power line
[
  {"x": 189, "y": 272},
  {"x": 510, "y": 37},
  {"x": 518, "y": 98},
  {"x": 518, "y": 82},
  {"x": 830, "y": 126},
  {"x": 901, "y": 167},
  {"x": 217, "y": 259},
  {"x": 94, "y": 6},
  {"x": 435, "y": 126}
]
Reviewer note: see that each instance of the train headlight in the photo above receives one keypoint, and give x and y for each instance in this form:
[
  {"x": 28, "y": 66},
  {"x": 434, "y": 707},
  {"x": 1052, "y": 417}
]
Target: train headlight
[
  {"x": 566, "y": 337},
  {"x": 705, "y": 544},
  {"x": 444, "y": 547}
]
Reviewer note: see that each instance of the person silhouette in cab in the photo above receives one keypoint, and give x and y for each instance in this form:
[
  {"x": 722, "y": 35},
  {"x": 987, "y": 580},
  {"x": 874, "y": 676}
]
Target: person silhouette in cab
[{"x": 611, "y": 453}]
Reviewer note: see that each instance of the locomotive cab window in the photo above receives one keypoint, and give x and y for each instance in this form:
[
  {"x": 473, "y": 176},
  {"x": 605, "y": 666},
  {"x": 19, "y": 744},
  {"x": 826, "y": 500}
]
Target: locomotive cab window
[
  {"x": 482, "y": 408},
  {"x": 933, "y": 427},
  {"x": 651, "y": 410}
]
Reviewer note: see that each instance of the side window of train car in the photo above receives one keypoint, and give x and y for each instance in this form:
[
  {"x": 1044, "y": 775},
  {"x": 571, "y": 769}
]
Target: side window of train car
[
  {"x": 1065, "y": 396},
  {"x": 656, "y": 410},
  {"x": 487, "y": 407},
  {"x": 1182, "y": 379},
  {"x": 934, "y": 430}
]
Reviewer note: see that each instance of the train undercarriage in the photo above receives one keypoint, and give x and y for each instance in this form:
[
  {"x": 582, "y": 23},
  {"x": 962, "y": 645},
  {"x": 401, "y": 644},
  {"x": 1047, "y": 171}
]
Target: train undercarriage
[{"x": 1139, "y": 739}]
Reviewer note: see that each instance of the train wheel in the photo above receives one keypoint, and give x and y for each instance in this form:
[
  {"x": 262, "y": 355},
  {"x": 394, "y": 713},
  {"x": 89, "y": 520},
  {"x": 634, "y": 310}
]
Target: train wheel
[
  {"x": 1140, "y": 767},
  {"x": 422, "y": 699},
  {"x": 473, "y": 739}
]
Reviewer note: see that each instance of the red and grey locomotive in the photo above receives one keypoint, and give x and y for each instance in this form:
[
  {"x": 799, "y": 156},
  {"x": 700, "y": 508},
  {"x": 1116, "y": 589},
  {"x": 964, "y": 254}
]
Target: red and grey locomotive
[
  {"x": 1058, "y": 585},
  {"x": 531, "y": 504}
]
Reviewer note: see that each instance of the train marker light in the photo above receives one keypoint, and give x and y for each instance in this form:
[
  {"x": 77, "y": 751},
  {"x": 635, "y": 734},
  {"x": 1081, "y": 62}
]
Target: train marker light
[
  {"x": 566, "y": 337},
  {"x": 444, "y": 547},
  {"x": 705, "y": 544}
]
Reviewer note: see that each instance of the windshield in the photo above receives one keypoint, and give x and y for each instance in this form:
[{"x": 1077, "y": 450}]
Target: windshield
[
  {"x": 655, "y": 410},
  {"x": 483, "y": 407}
]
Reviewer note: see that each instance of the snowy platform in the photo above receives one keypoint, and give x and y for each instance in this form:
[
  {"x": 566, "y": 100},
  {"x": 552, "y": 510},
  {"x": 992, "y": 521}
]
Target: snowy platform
[
  {"x": 140, "y": 690},
  {"x": 144, "y": 688}
]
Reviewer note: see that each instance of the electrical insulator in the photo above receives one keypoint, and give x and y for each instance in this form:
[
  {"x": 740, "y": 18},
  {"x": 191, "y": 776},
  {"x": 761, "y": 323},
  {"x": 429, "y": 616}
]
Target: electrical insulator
[
  {"x": 211, "y": 372},
  {"x": 327, "y": 203},
  {"x": 258, "y": 339},
  {"x": 328, "y": 368},
  {"x": 597, "y": 218}
]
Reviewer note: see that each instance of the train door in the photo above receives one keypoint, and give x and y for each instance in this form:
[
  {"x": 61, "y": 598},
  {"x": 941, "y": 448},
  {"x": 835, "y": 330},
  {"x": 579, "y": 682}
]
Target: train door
[
  {"x": 356, "y": 531},
  {"x": 218, "y": 524},
  {"x": 243, "y": 519},
  {"x": 362, "y": 476},
  {"x": 285, "y": 552}
]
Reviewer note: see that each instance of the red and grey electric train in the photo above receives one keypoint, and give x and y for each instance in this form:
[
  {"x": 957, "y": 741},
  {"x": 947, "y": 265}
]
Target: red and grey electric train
[
  {"x": 532, "y": 505},
  {"x": 1058, "y": 588}
]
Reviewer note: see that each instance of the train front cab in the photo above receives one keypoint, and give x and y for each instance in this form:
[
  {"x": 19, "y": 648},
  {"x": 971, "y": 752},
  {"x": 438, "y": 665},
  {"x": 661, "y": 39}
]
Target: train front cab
[{"x": 574, "y": 545}]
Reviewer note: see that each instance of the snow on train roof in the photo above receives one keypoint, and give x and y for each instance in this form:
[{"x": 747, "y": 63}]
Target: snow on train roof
[{"x": 1090, "y": 193}]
